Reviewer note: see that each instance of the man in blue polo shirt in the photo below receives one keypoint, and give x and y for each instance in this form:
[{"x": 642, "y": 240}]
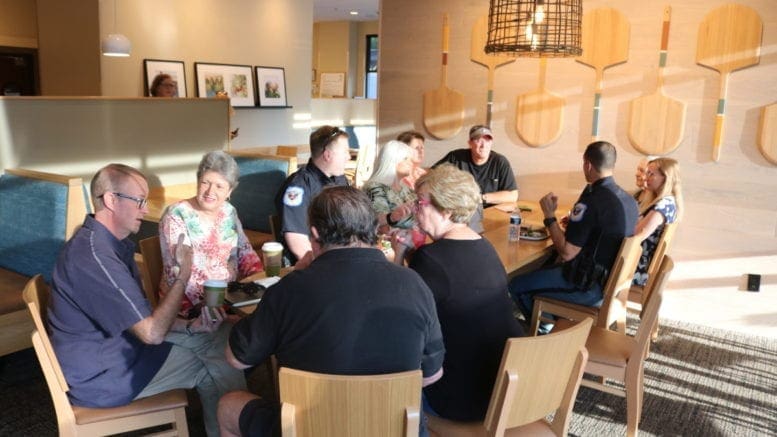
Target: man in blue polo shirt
[
  {"x": 112, "y": 346},
  {"x": 603, "y": 215},
  {"x": 328, "y": 155}
]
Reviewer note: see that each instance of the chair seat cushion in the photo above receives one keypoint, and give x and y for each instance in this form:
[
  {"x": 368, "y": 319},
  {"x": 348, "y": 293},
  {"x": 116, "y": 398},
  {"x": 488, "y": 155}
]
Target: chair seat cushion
[
  {"x": 11, "y": 286},
  {"x": 609, "y": 347},
  {"x": 163, "y": 401}
]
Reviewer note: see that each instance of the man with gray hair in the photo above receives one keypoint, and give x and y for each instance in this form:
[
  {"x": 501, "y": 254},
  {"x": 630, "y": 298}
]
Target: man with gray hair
[{"x": 112, "y": 345}]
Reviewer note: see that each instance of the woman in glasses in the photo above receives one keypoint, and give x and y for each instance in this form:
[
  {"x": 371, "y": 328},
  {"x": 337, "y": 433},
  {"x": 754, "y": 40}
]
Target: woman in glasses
[
  {"x": 469, "y": 285},
  {"x": 163, "y": 85},
  {"x": 662, "y": 184},
  {"x": 213, "y": 230}
]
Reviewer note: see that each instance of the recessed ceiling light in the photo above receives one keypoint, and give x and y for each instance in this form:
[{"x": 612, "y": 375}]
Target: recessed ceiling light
[{"x": 354, "y": 12}]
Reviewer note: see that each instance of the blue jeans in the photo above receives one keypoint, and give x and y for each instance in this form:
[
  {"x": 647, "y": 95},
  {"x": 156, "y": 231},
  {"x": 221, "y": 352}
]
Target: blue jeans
[{"x": 550, "y": 283}]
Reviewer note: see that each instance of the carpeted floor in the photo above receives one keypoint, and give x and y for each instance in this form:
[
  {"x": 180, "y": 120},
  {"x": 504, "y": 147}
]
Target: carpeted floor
[{"x": 698, "y": 381}]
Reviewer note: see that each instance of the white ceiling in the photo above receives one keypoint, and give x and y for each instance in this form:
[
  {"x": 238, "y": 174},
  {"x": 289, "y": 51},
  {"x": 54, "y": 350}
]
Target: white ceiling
[{"x": 336, "y": 10}]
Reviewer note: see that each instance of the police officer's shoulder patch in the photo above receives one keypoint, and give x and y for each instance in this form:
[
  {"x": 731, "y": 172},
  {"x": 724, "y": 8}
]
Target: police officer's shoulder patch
[
  {"x": 293, "y": 196},
  {"x": 577, "y": 212}
]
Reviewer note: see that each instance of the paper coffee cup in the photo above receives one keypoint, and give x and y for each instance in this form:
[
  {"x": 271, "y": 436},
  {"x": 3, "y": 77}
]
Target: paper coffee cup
[
  {"x": 214, "y": 290},
  {"x": 273, "y": 258}
]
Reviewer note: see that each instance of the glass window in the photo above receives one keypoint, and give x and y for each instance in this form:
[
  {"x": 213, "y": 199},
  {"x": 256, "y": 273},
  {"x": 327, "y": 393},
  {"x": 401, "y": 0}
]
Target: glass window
[{"x": 371, "y": 68}]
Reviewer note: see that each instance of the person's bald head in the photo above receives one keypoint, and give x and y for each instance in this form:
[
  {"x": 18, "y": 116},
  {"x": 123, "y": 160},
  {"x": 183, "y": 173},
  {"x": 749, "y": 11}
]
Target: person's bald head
[{"x": 113, "y": 177}]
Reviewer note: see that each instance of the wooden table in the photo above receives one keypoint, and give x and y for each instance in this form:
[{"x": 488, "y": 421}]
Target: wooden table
[
  {"x": 523, "y": 256},
  {"x": 517, "y": 258}
]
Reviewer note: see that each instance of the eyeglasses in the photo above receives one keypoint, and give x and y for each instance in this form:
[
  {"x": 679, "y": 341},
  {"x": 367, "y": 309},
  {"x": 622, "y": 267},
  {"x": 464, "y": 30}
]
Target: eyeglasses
[{"x": 141, "y": 202}]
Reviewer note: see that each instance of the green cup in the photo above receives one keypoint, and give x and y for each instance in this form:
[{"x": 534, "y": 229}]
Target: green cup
[
  {"x": 273, "y": 258},
  {"x": 214, "y": 290}
]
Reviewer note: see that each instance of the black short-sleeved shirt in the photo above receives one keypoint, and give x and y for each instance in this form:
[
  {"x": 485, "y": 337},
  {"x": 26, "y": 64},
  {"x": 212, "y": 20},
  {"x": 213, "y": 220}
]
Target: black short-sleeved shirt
[
  {"x": 604, "y": 209},
  {"x": 469, "y": 285},
  {"x": 495, "y": 175},
  {"x": 294, "y": 197},
  {"x": 350, "y": 312}
]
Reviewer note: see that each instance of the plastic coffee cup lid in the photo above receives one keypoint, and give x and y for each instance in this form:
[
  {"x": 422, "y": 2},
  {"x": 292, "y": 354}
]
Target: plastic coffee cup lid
[
  {"x": 272, "y": 246},
  {"x": 215, "y": 283}
]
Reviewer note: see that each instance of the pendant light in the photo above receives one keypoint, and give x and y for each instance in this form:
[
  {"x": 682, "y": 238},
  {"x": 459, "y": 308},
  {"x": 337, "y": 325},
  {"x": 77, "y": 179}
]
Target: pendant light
[
  {"x": 115, "y": 44},
  {"x": 535, "y": 28}
]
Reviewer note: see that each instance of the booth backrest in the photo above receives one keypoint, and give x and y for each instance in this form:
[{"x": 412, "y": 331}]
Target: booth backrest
[
  {"x": 261, "y": 176},
  {"x": 38, "y": 213}
]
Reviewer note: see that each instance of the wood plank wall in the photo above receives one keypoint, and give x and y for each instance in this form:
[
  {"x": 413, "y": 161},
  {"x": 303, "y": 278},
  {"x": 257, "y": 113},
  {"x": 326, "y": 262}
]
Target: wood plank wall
[{"x": 731, "y": 205}]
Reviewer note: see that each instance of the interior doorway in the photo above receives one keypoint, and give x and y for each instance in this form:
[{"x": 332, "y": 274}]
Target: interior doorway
[{"x": 19, "y": 72}]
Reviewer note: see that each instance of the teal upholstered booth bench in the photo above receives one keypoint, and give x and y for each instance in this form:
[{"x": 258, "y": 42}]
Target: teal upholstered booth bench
[
  {"x": 261, "y": 176},
  {"x": 38, "y": 213}
]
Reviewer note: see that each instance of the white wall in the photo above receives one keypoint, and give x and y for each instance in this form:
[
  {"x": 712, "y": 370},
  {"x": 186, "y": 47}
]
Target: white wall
[
  {"x": 731, "y": 205},
  {"x": 274, "y": 33}
]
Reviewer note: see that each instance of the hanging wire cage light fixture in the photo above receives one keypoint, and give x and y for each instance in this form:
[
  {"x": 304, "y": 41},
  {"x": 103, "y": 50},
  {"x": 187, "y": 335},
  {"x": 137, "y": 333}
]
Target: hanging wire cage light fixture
[{"x": 535, "y": 28}]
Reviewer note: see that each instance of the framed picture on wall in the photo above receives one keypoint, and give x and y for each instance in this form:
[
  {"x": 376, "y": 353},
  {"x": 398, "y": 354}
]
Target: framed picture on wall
[
  {"x": 332, "y": 84},
  {"x": 156, "y": 67},
  {"x": 271, "y": 83},
  {"x": 236, "y": 80}
]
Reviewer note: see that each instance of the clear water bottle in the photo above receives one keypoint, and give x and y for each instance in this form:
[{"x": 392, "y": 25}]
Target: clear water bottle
[{"x": 514, "y": 230}]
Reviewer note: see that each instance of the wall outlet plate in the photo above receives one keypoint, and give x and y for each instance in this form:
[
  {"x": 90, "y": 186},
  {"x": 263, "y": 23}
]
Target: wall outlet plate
[{"x": 753, "y": 282}]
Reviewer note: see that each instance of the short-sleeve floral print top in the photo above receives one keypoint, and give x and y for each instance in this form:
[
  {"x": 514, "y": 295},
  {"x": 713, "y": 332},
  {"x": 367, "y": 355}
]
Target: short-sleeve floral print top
[
  {"x": 385, "y": 199},
  {"x": 220, "y": 249}
]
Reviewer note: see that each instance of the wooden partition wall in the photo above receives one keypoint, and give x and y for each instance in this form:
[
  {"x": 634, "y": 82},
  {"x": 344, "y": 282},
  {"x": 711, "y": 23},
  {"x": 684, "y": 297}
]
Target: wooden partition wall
[{"x": 164, "y": 138}]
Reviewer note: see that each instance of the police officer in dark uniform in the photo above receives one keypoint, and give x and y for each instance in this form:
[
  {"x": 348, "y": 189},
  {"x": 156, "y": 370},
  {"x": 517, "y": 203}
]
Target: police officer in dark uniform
[
  {"x": 329, "y": 154},
  {"x": 603, "y": 215}
]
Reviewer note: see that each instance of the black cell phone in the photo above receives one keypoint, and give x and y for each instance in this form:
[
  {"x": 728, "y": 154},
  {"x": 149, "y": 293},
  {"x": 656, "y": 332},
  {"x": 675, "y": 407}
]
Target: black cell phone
[{"x": 753, "y": 282}]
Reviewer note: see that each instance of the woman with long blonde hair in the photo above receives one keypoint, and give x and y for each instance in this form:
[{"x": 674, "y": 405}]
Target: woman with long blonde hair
[{"x": 662, "y": 180}]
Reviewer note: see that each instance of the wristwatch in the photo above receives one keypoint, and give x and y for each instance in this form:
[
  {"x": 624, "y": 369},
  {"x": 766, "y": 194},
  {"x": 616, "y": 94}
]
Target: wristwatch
[{"x": 549, "y": 221}]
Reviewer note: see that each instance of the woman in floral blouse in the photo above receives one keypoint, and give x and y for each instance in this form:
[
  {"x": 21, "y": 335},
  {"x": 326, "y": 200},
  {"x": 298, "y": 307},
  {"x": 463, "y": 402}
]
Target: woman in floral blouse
[
  {"x": 662, "y": 180},
  {"x": 392, "y": 197},
  {"x": 211, "y": 226}
]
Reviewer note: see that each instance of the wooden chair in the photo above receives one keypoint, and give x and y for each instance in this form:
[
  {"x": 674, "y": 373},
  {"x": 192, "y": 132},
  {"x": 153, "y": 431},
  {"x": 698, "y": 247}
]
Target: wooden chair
[
  {"x": 538, "y": 376},
  {"x": 637, "y": 295},
  {"x": 621, "y": 357},
  {"x": 275, "y": 228},
  {"x": 613, "y": 308},
  {"x": 315, "y": 404},
  {"x": 151, "y": 269},
  {"x": 168, "y": 408}
]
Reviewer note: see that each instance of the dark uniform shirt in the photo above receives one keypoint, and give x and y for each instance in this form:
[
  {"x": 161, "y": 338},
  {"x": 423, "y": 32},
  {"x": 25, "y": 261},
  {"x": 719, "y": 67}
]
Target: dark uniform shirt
[
  {"x": 294, "y": 197},
  {"x": 96, "y": 297},
  {"x": 350, "y": 312},
  {"x": 603, "y": 209},
  {"x": 494, "y": 175}
]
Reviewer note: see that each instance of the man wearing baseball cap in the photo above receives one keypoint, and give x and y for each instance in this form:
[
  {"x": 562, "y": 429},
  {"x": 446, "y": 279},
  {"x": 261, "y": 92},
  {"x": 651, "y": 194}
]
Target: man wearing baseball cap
[{"x": 491, "y": 170}]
